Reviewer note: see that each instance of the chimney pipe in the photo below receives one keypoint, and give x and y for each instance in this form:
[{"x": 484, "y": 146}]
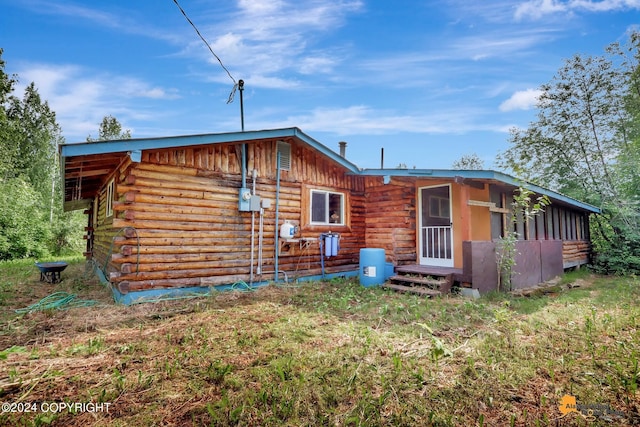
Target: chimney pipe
[{"x": 343, "y": 148}]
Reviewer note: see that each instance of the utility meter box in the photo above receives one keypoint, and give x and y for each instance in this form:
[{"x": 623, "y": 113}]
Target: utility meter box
[{"x": 244, "y": 200}]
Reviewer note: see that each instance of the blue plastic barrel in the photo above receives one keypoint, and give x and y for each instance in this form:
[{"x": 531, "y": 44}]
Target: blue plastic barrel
[
  {"x": 389, "y": 270},
  {"x": 372, "y": 266}
]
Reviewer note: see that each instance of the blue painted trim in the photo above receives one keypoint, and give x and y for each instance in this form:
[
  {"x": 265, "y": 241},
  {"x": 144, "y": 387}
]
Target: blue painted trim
[
  {"x": 326, "y": 151},
  {"x": 135, "y": 156},
  {"x": 319, "y": 277},
  {"x": 124, "y": 145},
  {"x": 98, "y": 272},
  {"x": 152, "y": 295}
]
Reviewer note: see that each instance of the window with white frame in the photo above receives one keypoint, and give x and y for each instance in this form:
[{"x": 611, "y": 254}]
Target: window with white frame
[
  {"x": 109, "y": 198},
  {"x": 438, "y": 207},
  {"x": 327, "y": 208}
]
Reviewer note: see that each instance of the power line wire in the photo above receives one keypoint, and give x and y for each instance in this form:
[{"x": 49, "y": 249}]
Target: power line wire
[{"x": 235, "y": 84}]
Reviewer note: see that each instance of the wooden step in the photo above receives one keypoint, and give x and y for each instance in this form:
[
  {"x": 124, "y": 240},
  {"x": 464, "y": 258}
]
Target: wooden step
[
  {"x": 427, "y": 292},
  {"x": 428, "y": 281}
]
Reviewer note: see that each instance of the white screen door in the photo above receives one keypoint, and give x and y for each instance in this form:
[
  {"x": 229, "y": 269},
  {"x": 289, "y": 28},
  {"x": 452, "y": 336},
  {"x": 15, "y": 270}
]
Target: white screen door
[{"x": 436, "y": 234}]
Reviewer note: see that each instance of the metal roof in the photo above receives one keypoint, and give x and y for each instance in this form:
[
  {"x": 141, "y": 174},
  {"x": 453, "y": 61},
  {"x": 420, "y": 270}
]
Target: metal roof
[
  {"x": 85, "y": 165},
  {"x": 482, "y": 175}
]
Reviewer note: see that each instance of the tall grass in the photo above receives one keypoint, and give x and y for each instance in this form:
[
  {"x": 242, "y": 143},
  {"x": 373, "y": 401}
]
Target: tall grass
[{"x": 336, "y": 353}]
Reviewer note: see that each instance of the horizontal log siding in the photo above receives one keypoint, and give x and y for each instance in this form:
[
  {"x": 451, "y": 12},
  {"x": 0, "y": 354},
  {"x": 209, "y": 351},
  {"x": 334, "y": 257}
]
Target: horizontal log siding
[
  {"x": 391, "y": 218},
  {"x": 183, "y": 205},
  {"x": 101, "y": 228},
  {"x": 575, "y": 252}
]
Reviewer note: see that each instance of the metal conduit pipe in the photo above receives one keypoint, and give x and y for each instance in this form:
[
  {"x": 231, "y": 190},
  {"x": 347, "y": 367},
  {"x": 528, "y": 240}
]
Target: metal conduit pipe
[
  {"x": 254, "y": 175},
  {"x": 276, "y": 231},
  {"x": 260, "y": 240}
]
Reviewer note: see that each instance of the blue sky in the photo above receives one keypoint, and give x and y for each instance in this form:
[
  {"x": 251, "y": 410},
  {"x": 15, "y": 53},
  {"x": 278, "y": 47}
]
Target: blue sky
[{"x": 428, "y": 81}]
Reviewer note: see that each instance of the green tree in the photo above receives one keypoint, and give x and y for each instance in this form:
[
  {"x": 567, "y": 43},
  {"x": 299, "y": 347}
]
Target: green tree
[
  {"x": 583, "y": 145},
  {"x": 7, "y": 149},
  {"x": 35, "y": 139},
  {"x": 29, "y": 174},
  {"x": 626, "y": 168},
  {"x": 576, "y": 136},
  {"x": 110, "y": 129},
  {"x": 24, "y": 226},
  {"x": 468, "y": 162}
]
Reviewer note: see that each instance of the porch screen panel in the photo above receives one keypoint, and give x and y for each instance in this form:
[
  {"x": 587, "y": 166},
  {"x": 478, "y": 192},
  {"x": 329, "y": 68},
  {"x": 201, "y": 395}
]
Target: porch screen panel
[
  {"x": 497, "y": 223},
  {"x": 436, "y": 242}
]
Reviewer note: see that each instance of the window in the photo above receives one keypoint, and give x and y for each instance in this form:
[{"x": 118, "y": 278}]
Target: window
[
  {"x": 109, "y": 198},
  {"x": 327, "y": 208},
  {"x": 438, "y": 207}
]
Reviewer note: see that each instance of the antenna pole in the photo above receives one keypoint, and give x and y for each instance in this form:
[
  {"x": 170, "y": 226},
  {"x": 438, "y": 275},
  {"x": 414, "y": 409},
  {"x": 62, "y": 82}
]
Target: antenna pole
[{"x": 241, "y": 88}]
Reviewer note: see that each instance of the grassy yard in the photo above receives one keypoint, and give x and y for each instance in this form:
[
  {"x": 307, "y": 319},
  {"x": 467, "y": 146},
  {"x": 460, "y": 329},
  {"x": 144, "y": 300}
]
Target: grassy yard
[{"x": 329, "y": 353}]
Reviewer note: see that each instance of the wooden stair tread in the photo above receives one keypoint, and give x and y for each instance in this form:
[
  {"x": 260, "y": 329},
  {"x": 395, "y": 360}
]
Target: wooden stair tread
[
  {"x": 412, "y": 289},
  {"x": 419, "y": 280}
]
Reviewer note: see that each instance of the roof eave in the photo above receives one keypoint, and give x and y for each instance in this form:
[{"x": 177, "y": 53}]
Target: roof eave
[
  {"x": 139, "y": 144},
  {"x": 483, "y": 175}
]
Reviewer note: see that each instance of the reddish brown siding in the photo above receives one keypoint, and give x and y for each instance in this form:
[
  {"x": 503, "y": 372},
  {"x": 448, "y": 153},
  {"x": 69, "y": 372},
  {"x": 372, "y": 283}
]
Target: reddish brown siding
[
  {"x": 176, "y": 220},
  {"x": 391, "y": 218},
  {"x": 575, "y": 253}
]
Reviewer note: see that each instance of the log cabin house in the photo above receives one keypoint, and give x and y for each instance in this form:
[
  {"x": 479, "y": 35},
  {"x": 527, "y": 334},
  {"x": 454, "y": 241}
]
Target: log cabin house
[{"x": 174, "y": 215}]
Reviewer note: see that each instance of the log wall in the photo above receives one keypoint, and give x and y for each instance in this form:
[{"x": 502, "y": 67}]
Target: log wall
[
  {"x": 176, "y": 221},
  {"x": 575, "y": 253},
  {"x": 391, "y": 218}
]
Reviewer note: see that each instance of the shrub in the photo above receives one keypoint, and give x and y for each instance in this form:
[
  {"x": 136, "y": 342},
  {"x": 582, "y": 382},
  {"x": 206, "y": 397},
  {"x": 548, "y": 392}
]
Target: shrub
[{"x": 24, "y": 228}]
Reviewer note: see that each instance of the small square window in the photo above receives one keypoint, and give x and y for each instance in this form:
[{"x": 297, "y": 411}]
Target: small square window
[{"x": 327, "y": 208}]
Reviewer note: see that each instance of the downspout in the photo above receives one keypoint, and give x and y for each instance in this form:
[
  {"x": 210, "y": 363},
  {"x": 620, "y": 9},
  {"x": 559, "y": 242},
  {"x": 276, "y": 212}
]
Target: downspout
[
  {"x": 277, "y": 214},
  {"x": 254, "y": 175}
]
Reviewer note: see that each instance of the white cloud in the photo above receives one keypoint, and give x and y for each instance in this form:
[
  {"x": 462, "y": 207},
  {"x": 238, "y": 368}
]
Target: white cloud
[
  {"x": 521, "y": 100},
  {"x": 260, "y": 7},
  {"x": 128, "y": 87},
  {"x": 365, "y": 120},
  {"x": 536, "y": 9},
  {"x": 604, "y": 5},
  {"x": 120, "y": 19},
  {"x": 270, "y": 38},
  {"x": 316, "y": 65},
  {"x": 81, "y": 98},
  {"x": 262, "y": 38}
]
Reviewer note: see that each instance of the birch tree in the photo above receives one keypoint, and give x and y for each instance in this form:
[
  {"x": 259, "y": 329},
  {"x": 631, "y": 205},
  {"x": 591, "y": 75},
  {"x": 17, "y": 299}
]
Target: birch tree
[{"x": 585, "y": 143}]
